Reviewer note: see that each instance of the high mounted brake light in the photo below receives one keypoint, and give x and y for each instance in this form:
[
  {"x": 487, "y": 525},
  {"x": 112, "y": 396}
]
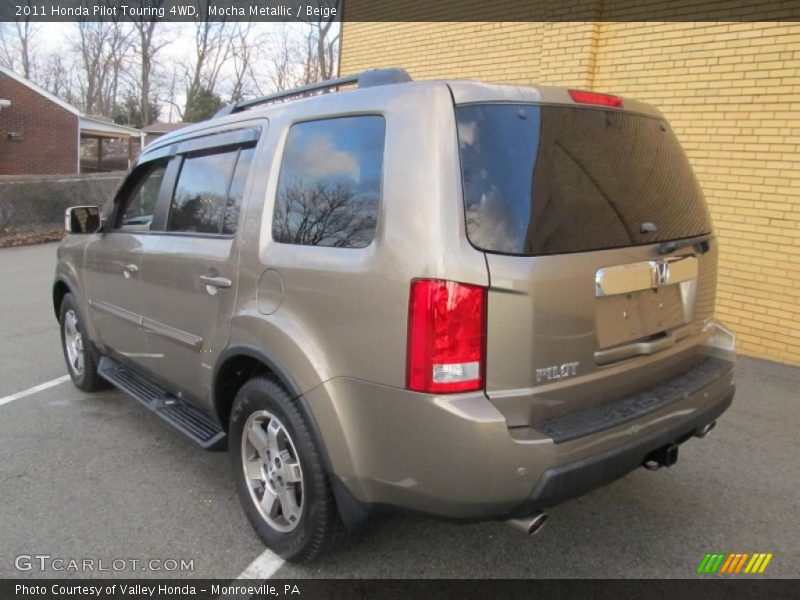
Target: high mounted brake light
[
  {"x": 585, "y": 97},
  {"x": 446, "y": 336}
]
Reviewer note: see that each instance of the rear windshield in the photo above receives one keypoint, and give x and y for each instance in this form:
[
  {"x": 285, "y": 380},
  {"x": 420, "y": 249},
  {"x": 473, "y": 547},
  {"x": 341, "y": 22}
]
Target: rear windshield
[{"x": 551, "y": 180}]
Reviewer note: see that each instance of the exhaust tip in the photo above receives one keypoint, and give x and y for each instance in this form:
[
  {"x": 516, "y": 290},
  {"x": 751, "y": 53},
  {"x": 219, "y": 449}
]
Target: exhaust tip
[
  {"x": 529, "y": 525},
  {"x": 703, "y": 431}
]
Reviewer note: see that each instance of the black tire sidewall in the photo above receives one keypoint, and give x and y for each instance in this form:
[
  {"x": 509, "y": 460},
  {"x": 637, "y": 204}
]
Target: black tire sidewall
[{"x": 265, "y": 394}]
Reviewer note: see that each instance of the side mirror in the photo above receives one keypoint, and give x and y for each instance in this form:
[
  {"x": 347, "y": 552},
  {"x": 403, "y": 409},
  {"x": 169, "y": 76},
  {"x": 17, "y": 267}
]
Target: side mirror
[{"x": 82, "y": 219}]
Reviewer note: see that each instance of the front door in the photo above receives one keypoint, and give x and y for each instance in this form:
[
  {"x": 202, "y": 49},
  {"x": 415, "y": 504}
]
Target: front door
[
  {"x": 112, "y": 263},
  {"x": 189, "y": 271}
]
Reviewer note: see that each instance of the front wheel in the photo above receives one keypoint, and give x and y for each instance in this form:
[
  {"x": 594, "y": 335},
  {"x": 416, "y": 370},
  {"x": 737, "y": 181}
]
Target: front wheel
[
  {"x": 279, "y": 476},
  {"x": 79, "y": 353}
]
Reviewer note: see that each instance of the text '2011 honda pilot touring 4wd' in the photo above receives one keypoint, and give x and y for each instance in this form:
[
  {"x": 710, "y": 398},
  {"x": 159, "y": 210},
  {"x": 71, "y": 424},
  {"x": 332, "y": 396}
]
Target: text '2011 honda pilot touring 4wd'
[{"x": 472, "y": 301}]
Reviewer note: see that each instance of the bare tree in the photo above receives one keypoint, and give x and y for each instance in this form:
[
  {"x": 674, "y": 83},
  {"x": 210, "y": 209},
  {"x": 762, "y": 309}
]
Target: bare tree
[
  {"x": 213, "y": 46},
  {"x": 103, "y": 50},
  {"x": 322, "y": 46},
  {"x": 120, "y": 47},
  {"x": 146, "y": 30},
  {"x": 147, "y": 46},
  {"x": 91, "y": 46},
  {"x": 246, "y": 45},
  {"x": 56, "y": 76},
  {"x": 310, "y": 65},
  {"x": 171, "y": 97},
  {"x": 275, "y": 63},
  {"x": 8, "y": 50},
  {"x": 326, "y": 40},
  {"x": 26, "y": 34},
  {"x": 117, "y": 68},
  {"x": 17, "y": 46},
  {"x": 283, "y": 57},
  {"x": 212, "y": 49},
  {"x": 52, "y": 71}
]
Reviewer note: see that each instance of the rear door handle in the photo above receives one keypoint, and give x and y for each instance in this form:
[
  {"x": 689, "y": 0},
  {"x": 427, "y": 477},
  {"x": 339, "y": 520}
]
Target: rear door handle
[
  {"x": 128, "y": 270},
  {"x": 217, "y": 282}
]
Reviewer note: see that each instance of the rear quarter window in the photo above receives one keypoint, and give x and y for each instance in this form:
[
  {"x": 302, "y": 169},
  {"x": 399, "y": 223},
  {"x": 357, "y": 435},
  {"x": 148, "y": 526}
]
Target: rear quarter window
[
  {"x": 330, "y": 183},
  {"x": 552, "y": 180}
]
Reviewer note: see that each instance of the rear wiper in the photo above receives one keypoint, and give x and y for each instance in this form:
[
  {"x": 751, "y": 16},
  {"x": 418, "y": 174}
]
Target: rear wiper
[{"x": 700, "y": 241}]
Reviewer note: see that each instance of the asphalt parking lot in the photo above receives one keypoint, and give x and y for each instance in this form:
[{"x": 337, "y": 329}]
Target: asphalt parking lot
[{"x": 98, "y": 477}]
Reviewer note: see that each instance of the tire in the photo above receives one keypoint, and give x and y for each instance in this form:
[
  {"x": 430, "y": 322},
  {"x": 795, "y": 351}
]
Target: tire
[
  {"x": 83, "y": 367},
  {"x": 298, "y": 523}
]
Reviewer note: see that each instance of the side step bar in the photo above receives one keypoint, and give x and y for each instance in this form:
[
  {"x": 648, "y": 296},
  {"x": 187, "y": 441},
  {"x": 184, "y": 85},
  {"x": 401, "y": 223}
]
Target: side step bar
[{"x": 184, "y": 417}]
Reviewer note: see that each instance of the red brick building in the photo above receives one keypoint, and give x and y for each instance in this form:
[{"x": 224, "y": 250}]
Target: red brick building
[{"x": 42, "y": 134}]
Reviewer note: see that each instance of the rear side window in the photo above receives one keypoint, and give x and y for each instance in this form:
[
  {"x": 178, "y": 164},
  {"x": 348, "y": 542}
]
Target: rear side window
[
  {"x": 330, "y": 182},
  {"x": 551, "y": 180},
  {"x": 139, "y": 202},
  {"x": 209, "y": 191}
]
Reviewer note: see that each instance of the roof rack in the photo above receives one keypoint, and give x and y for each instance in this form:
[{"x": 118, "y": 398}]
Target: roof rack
[{"x": 365, "y": 79}]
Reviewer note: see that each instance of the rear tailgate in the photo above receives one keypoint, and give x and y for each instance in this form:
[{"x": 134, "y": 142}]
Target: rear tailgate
[{"x": 601, "y": 263}]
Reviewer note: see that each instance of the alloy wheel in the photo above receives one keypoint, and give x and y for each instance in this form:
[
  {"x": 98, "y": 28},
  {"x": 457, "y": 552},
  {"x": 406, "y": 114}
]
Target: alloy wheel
[
  {"x": 73, "y": 342},
  {"x": 272, "y": 469}
]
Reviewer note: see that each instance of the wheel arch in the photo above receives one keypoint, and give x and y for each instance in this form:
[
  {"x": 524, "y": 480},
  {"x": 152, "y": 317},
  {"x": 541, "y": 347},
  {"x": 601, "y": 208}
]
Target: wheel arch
[
  {"x": 240, "y": 363},
  {"x": 61, "y": 288}
]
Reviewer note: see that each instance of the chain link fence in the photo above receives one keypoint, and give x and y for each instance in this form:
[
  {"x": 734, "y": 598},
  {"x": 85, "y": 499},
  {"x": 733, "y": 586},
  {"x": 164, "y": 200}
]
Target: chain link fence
[{"x": 32, "y": 207}]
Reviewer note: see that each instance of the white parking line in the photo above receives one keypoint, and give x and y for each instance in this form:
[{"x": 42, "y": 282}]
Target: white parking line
[
  {"x": 263, "y": 567},
  {"x": 34, "y": 389}
]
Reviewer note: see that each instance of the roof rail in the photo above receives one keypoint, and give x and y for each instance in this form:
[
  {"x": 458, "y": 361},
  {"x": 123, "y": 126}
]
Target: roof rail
[{"x": 365, "y": 79}]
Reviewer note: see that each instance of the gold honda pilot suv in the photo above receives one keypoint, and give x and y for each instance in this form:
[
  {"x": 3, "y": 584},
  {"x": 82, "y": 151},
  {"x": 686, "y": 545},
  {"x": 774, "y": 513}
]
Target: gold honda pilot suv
[{"x": 468, "y": 300}]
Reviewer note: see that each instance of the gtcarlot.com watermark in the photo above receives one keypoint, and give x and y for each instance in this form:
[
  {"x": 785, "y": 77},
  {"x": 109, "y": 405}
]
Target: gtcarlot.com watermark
[{"x": 48, "y": 563}]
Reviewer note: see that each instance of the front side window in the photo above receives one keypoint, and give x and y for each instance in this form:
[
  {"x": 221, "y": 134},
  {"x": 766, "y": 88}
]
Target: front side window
[
  {"x": 139, "y": 203},
  {"x": 330, "y": 183}
]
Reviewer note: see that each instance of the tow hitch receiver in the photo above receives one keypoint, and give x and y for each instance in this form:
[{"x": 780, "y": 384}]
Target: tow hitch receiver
[{"x": 666, "y": 456}]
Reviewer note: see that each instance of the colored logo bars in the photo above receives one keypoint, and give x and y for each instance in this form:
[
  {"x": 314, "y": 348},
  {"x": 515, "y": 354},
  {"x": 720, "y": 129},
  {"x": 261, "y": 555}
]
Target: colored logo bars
[{"x": 737, "y": 562}]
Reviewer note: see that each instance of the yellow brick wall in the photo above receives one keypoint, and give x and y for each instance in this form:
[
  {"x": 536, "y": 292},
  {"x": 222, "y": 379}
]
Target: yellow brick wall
[
  {"x": 438, "y": 50},
  {"x": 731, "y": 92}
]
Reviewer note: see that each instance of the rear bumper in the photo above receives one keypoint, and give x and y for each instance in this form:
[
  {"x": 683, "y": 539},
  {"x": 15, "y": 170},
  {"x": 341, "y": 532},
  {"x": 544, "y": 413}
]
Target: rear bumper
[
  {"x": 454, "y": 456},
  {"x": 581, "y": 476}
]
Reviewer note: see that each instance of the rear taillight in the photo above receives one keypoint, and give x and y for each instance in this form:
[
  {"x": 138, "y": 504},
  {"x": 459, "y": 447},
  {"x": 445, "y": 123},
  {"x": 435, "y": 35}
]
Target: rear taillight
[
  {"x": 446, "y": 336},
  {"x": 585, "y": 97}
]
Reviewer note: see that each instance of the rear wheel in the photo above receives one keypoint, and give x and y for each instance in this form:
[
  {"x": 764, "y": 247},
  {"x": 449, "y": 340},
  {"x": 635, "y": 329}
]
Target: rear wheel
[
  {"x": 281, "y": 483},
  {"x": 79, "y": 353}
]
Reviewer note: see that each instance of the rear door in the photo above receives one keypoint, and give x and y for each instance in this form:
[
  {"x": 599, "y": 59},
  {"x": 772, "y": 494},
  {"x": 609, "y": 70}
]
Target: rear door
[
  {"x": 189, "y": 270},
  {"x": 598, "y": 245}
]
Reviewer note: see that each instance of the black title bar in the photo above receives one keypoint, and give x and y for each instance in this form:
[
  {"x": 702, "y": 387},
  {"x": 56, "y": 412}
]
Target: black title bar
[
  {"x": 435, "y": 589},
  {"x": 399, "y": 10}
]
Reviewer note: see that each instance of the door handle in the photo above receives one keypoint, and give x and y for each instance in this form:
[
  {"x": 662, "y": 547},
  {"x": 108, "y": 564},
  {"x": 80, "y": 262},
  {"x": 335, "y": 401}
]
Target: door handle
[
  {"x": 128, "y": 270},
  {"x": 217, "y": 282}
]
